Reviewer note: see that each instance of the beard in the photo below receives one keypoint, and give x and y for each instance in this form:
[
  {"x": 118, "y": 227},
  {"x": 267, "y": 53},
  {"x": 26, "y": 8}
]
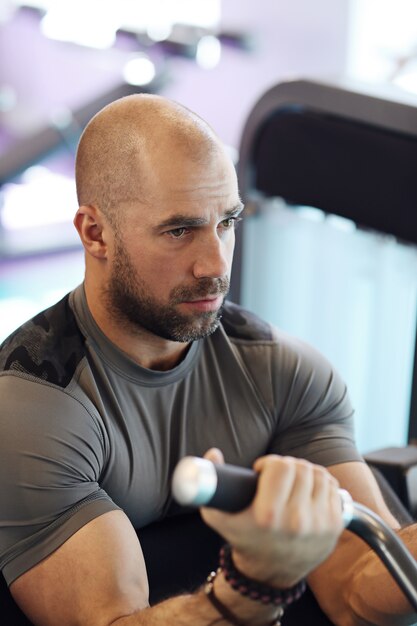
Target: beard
[{"x": 131, "y": 305}]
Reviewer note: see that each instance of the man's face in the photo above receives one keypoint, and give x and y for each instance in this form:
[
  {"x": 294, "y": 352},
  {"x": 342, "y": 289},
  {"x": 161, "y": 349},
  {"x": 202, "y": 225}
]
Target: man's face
[{"x": 172, "y": 256}]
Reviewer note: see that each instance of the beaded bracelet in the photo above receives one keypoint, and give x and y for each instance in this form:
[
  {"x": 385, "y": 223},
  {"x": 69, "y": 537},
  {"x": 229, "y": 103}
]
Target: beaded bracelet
[
  {"x": 227, "y": 613},
  {"x": 254, "y": 589}
]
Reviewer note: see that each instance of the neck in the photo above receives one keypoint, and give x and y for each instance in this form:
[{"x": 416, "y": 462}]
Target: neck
[{"x": 143, "y": 347}]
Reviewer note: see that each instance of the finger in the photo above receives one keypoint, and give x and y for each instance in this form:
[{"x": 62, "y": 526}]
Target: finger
[
  {"x": 326, "y": 502},
  {"x": 215, "y": 456},
  {"x": 335, "y": 507},
  {"x": 260, "y": 463},
  {"x": 324, "y": 483},
  {"x": 275, "y": 484},
  {"x": 303, "y": 485}
]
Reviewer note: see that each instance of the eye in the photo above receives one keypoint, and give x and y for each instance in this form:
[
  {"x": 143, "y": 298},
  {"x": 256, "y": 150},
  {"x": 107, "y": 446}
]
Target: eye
[
  {"x": 177, "y": 233},
  {"x": 230, "y": 222}
]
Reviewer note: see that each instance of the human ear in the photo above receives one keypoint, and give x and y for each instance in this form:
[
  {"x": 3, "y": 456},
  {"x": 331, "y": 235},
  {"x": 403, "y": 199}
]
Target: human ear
[{"x": 91, "y": 225}]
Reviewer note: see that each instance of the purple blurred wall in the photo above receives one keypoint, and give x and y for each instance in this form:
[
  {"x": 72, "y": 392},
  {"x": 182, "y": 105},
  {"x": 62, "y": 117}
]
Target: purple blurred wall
[{"x": 295, "y": 38}]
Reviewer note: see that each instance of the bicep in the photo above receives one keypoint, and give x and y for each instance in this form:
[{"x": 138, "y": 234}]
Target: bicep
[
  {"x": 51, "y": 456},
  {"x": 95, "y": 577},
  {"x": 331, "y": 579}
]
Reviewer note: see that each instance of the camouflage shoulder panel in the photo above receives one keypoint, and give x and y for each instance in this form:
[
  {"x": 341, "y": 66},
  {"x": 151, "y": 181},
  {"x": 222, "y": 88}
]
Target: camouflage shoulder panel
[
  {"x": 49, "y": 346},
  {"x": 242, "y": 324}
]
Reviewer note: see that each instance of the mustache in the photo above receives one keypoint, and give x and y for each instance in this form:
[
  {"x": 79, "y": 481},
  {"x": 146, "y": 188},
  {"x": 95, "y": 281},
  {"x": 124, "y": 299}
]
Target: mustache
[{"x": 205, "y": 287}]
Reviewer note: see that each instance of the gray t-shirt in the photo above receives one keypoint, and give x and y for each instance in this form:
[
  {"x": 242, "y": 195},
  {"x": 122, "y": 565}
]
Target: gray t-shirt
[{"x": 85, "y": 430}]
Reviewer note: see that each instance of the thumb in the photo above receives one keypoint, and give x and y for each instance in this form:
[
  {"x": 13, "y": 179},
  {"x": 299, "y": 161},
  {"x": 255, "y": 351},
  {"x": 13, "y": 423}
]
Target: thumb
[{"x": 215, "y": 456}]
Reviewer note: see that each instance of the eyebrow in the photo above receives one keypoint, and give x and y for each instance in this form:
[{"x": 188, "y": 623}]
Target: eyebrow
[{"x": 179, "y": 219}]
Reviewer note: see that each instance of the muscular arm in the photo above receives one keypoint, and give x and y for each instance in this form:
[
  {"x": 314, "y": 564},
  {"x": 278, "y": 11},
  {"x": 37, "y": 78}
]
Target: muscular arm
[
  {"x": 353, "y": 587},
  {"x": 98, "y": 576}
]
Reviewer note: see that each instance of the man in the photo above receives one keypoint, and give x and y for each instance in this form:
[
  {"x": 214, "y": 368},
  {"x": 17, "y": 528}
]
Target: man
[{"x": 141, "y": 365}]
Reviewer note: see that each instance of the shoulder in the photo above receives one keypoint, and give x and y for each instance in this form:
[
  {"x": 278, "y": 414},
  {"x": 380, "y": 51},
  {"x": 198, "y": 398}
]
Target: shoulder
[
  {"x": 239, "y": 323},
  {"x": 268, "y": 352},
  {"x": 49, "y": 346},
  {"x": 298, "y": 375},
  {"x": 289, "y": 353}
]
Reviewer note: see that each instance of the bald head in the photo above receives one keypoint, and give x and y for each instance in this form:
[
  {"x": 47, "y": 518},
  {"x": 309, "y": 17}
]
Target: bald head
[{"x": 120, "y": 148}]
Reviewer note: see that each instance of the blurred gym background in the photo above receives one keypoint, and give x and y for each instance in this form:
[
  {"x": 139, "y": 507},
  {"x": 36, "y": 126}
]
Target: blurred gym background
[{"x": 351, "y": 293}]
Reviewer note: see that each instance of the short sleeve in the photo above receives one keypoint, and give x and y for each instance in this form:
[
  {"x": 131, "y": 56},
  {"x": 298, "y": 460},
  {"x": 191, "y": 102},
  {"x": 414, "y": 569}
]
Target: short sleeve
[
  {"x": 314, "y": 415},
  {"x": 52, "y": 451}
]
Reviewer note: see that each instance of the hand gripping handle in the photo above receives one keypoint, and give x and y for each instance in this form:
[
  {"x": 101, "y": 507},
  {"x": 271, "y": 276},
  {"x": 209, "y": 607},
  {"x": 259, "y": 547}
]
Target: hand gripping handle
[{"x": 199, "y": 482}]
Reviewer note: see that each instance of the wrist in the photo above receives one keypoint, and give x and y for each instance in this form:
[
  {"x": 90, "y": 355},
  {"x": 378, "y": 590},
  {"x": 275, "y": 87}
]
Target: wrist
[
  {"x": 243, "y": 601},
  {"x": 250, "y": 567},
  {"x": 236, "y": 608}
]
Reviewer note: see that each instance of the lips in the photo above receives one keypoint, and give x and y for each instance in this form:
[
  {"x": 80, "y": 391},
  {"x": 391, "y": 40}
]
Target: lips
[
  {"x": 205, "y": 303},
  {"x": 204, "y": 290},
  {"x": 206, "y": 298}
]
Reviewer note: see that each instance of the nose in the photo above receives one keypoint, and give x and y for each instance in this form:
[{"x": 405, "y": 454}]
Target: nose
[{"x": 214, "y": 258}]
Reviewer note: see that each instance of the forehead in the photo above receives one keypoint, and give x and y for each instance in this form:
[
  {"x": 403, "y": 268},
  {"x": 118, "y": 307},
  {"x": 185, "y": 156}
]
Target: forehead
[{"x": 189, "y": 186}]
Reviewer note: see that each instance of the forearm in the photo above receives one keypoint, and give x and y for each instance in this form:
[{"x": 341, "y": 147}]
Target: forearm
[
  {"x": 354, "y": 588},
  {"x": 373, "y": 595},
  {"x": 182, "y": 611},
  {"x": 196, "y": 610},
  {"x": 292, "y": 524}
]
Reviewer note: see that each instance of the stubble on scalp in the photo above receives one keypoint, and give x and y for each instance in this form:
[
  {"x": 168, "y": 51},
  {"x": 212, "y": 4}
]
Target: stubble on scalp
[{"x": 120, "y": 145}]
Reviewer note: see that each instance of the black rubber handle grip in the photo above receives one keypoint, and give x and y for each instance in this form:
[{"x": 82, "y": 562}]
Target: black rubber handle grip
[
  {"x": 236, "y": 487},
  {"x": 199, "y": 482}
]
